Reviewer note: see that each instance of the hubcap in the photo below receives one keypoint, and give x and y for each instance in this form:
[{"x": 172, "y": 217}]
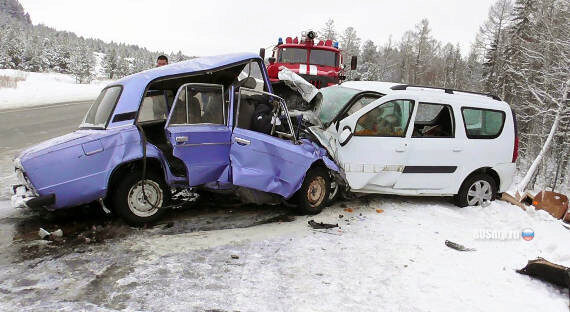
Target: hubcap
[
  {"x": 479, "y": 192},
  {"x": 147, "y": 204},
  {"x": 316, "y": 191}
]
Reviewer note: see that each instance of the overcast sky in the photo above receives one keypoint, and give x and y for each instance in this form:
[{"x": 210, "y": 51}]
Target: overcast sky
[{"x": 217, "y": 27}]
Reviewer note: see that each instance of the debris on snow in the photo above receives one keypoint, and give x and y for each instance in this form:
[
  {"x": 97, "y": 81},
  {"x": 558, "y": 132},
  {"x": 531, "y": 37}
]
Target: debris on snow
[
  {"x": 547, "y": 271},
  {"x": 321, "y": 225},
  {"x": 43, "y": 233},
  {"x": 234, "y": 256},
  {"x": 457, "y": 246}
]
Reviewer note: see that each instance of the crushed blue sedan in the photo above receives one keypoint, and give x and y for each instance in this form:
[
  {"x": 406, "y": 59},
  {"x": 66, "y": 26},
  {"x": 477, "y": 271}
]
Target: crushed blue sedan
[{"x": 209, "y": 123}]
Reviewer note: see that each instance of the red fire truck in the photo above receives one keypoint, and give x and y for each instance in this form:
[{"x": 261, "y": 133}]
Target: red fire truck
[{"x": 320, "y": 62}]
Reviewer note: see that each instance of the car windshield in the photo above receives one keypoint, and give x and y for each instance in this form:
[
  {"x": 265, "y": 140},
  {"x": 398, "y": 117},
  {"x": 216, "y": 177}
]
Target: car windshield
[
  {"x": 323, "y": 58},
  {"x": 334, "y": 99},
  {"x": 292, "y": 55},
  {"x": 101, "y": 110}
]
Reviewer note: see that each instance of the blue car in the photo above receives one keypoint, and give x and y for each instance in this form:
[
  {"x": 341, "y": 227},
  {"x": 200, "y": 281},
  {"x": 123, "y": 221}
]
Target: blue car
[{"x": 209, "y": 122}]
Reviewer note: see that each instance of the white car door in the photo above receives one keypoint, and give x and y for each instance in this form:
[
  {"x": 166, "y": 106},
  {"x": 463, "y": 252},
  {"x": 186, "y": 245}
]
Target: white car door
[
  {"x": 435, "y": 152},
  {"x": 373, "y": 144}
]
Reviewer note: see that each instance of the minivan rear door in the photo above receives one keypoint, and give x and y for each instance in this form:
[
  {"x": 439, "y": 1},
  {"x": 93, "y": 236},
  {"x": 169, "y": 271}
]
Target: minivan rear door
[{"x": 198, "y": 132}]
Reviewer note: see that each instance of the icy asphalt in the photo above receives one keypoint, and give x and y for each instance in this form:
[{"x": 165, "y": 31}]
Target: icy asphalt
[{"x": 213, "y": 254}]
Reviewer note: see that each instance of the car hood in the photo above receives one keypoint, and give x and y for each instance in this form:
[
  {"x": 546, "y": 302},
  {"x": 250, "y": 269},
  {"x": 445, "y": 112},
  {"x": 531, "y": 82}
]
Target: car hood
[{"x": 61, "y": 142}]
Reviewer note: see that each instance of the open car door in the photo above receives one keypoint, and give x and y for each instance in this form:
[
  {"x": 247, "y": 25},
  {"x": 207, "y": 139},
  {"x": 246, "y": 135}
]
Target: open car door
[
  {"x": 198, "y": 132},
  {"x": 264, "y": 154}
]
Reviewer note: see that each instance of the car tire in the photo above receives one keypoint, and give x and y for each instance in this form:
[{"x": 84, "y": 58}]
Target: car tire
[
  {"x": 475, "y": 190},
  {"x": 129, "y": 203},
  {"x": 313, "y": 195}
]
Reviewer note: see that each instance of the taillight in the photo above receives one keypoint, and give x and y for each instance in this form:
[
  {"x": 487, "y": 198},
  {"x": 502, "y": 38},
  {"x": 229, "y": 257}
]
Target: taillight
[
  {"x": 516, "y": 149},
  {"x": 516, "y": 145}
]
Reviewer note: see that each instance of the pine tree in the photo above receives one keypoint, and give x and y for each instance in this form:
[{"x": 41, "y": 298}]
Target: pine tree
[
  {"x": 82, "y": 64},
  {"x": 328, "y": 32},
  {"x": 111, "y": 63}
]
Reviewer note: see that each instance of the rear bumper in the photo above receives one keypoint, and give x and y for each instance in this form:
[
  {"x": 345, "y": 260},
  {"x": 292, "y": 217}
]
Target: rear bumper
[{"x": 23, "y": 197}]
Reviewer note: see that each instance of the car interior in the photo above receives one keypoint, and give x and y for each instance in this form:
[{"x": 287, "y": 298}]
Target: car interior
[
  {"x": 160, "y": 98},
  {"x": 432, "y": 121}
]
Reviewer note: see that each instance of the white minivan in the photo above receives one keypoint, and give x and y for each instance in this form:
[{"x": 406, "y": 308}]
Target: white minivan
[{"x": 424, "y": 141}]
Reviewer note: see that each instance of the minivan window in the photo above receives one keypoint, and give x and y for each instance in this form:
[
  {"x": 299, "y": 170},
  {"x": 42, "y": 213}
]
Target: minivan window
[
  {"x": 387, "y": 120},
  {"x": 101, "y": 110},
  {"x": 434, "y": 121},
  {"x": 483, "y": 123}
]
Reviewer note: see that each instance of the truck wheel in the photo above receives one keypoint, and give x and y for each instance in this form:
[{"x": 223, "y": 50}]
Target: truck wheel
[
  {"x": 135, "y": 207},
  {"x": 313, "y": 195},
  {"x": 475, "y": 190}
]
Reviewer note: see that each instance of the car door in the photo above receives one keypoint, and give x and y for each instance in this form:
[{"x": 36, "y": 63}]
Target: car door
[
  {"x": 373, "y": 144},
  {"x": 198, "y": 132},
  {"x": 260, "y": 160},
  {"x": 434, "y": 159}
]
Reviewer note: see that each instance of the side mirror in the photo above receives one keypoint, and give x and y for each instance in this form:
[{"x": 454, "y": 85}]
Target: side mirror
[
  {"x": 271, "y": 60},
  {"x": 353, "y": 62},
  {"x": 262, "y": 53},
  {"x": 345, "y": 136}
]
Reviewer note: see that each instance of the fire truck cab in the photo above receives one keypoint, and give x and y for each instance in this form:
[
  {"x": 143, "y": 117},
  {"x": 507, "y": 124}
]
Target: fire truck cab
[{"x": 320, "y": 62}]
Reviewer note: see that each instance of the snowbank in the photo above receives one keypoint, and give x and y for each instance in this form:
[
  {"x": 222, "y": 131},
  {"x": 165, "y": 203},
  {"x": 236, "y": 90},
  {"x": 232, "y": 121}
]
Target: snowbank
[{"x": 45, "y": 88}]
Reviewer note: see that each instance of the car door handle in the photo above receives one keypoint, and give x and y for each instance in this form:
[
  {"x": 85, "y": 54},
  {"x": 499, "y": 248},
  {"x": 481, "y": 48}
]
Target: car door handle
[
  {"x": 181, "y": 139},
  {"x": 457, "y": 149},
  {"x": 241, "y": 141}
]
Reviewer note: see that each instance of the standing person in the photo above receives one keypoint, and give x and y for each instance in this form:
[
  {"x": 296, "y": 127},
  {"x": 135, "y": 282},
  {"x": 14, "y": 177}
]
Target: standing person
[{"x": 161, "y": 61}]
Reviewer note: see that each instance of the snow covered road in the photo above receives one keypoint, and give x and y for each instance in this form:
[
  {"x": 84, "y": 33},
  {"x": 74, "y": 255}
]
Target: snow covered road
[{"x": 393, "y": 260}]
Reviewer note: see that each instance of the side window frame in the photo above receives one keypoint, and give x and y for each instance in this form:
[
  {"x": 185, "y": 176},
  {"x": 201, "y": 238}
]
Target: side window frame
[
  {"x": 453, "y": 123},
  {"x": 175, "y": 102},
  {"x": 483, "y": 137},
  {"x": 404, "y": 131}
]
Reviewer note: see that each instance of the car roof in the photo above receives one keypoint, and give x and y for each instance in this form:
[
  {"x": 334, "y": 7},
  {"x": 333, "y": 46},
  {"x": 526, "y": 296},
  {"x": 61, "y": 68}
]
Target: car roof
[
  {"x": 457, "y": 99},
  {"x": 378, "y": 86},
  {"x": 135, "y": 85}
]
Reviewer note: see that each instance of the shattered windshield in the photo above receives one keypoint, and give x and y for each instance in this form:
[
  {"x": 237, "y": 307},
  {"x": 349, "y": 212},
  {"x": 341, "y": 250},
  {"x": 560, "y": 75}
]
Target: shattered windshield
[
  {"x": 101, "y": 110},
  {"x": 334, "y": 99}
]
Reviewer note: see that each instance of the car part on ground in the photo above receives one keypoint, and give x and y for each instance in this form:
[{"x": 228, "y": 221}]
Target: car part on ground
[{"x": 547, "y": 271}]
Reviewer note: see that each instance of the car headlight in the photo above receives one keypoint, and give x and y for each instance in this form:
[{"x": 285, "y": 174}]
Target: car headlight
[{"x": 18, "y": 163}]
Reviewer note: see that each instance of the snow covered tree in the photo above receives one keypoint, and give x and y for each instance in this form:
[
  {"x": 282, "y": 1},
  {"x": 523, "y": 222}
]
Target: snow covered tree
[
  {"x": 328, "y": 31},
  {"x": 111, "y": 63},
  {"x": 350, "y": 44},
  {"x": 424, "y": 48},
  {"x": 82, "y": 64}
]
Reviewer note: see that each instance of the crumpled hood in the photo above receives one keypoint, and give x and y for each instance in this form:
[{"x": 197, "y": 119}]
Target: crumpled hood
[{"x": 55, "y": 144}]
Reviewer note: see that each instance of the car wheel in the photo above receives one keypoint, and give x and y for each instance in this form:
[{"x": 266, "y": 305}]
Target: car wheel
[
  {"x": 476, "y": 190},
  {"x": 136, "y": 207},
  {"x": 313, "y": 195}
]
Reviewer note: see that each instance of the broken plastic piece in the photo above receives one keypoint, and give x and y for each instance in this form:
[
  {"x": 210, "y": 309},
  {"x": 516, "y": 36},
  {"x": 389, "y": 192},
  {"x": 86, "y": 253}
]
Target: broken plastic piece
[
  {"x": 321, "y": 225},
  {"x": 457, "y": 246},
  {"x": 43, "y": 233}
]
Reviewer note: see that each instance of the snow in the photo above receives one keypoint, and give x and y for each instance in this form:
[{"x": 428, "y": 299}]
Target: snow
[
  {"x": 46, "y": 88},
  {"x": 393, "y": 260}
]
